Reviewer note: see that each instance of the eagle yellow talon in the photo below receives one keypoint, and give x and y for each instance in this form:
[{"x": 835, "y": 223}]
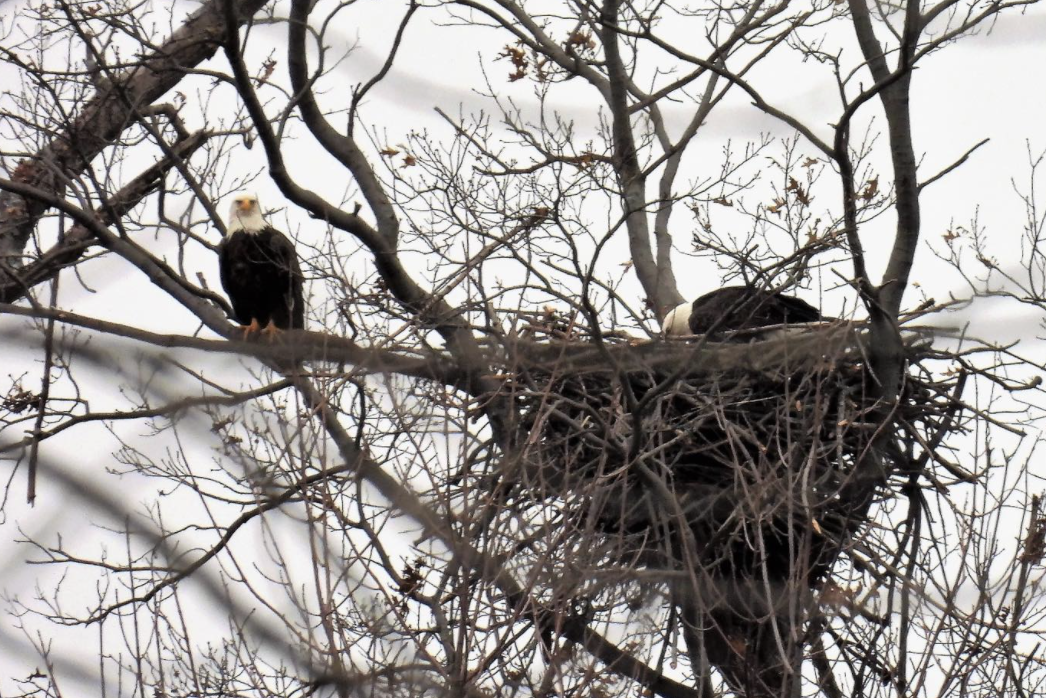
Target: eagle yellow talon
[
  {"x": 248, "y": 329},
  {"x": 271, "y": 331}
]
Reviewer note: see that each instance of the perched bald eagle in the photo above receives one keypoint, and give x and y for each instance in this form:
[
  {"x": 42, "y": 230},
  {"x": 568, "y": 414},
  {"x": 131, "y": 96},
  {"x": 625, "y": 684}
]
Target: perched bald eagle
[
  {"x": 260, "y": 272},
  {"x": 737, "y": 308}
]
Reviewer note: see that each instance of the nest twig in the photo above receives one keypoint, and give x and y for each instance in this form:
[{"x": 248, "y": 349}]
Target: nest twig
[
  {"x": 735, "y": 431},
  {"x": 724, "y": 462}
]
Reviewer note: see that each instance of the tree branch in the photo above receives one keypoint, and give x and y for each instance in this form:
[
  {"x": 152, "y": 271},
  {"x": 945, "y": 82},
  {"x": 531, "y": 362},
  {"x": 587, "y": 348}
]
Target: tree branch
[
  {"x": 658, "y": 281},
  {"x": 293, "y": 345},
  {"x": 106, "y": 116},
  {"x": 15, "y": 283}
]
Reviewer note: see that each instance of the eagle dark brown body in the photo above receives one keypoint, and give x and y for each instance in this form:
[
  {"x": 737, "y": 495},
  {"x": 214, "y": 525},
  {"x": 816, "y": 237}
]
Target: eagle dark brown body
[
  {"x": 261, "y": 275},
  {"x": 742, "y": 307}
]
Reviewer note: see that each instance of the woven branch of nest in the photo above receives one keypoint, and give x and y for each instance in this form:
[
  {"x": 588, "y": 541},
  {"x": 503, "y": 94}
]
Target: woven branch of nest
[
  {"x": 768, "y": 349},
  {"x": 739, "y": 450},
  {"x": 726, "y": 469}
]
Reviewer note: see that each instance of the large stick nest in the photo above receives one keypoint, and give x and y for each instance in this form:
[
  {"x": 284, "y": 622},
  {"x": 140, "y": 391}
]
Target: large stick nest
[{"x": 745, "y": 455}]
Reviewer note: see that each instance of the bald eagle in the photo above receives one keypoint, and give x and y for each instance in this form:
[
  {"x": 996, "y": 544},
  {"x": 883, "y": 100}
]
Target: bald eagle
[
  {"x": 735, "y": 308},
  {"x": 260, "y": 272}
]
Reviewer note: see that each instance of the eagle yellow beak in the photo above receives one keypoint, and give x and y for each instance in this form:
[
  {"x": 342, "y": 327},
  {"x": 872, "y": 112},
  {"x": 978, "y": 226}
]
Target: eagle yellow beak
[{"x": 245, "y": 205}]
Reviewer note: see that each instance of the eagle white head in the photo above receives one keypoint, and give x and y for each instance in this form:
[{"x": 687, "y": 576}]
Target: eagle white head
[
  {"x": 245, "y": 214},
  {"x": 677, "y": 322}
]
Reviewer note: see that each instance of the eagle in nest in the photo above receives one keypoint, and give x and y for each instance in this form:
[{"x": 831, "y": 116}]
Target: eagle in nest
[
  {"x": 735, "y": 308},
  {"x": 260, "y": 272}
]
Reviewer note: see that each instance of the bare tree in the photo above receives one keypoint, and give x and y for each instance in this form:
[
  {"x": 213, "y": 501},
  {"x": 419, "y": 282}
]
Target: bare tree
[{"x": 481, "y": 470}]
